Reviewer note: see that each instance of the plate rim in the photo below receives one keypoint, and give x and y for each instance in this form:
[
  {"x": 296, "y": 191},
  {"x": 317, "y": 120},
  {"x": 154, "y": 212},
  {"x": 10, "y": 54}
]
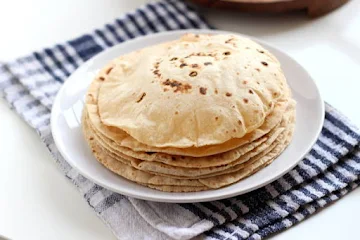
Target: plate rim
[{"x": 184, "y": 199}]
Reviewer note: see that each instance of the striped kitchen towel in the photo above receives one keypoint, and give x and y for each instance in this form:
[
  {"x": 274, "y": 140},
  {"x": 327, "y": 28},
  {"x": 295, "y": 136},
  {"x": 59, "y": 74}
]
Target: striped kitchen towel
[{"x": 331, "y": 169}]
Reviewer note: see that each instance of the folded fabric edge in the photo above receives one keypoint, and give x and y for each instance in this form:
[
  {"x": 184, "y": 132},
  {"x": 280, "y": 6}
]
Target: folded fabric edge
[{"x": 276, "y": 227}]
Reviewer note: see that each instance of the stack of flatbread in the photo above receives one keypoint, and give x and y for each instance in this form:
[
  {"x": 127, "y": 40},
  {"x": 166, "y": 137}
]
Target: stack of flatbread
[{"x": 198, "y": 113}]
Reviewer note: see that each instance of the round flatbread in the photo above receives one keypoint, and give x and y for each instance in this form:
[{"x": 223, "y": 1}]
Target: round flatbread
[
  {"x": 198, "y": 113},
  {"x": 200, "y": 90}
]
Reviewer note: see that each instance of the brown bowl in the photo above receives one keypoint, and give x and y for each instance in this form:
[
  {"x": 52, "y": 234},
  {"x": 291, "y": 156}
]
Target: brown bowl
[{"x": 314, "y": 8}]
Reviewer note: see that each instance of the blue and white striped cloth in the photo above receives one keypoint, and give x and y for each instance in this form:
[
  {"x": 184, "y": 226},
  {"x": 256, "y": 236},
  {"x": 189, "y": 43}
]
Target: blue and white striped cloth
[{"x": 331, "y": 170}]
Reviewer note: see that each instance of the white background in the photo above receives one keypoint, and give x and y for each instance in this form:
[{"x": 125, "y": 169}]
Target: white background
[{"x": 38, "y": 202}]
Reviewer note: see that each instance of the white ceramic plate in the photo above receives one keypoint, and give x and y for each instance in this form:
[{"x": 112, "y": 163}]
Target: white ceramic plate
[{"x": 66, "y": 129}]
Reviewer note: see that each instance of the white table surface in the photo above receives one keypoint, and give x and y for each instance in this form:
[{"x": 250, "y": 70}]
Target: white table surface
[{"x": 38, "y": 202}]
